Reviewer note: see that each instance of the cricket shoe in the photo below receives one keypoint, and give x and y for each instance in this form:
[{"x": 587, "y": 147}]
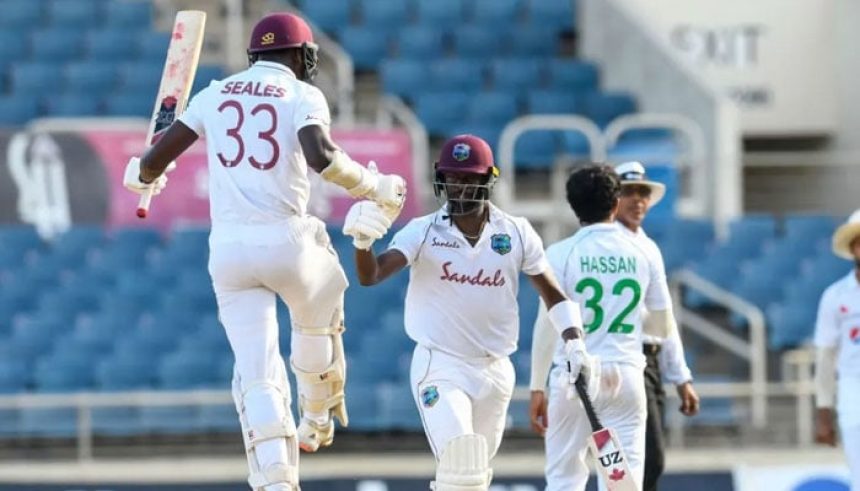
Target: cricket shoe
[{"x": 313, "y": 435}]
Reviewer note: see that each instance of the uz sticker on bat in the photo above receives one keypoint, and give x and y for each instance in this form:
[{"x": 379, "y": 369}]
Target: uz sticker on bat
[{"x": 607, "y": 451}]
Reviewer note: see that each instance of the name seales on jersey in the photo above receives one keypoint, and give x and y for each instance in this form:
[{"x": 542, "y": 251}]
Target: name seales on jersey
[{"x": 258, "y": 176}]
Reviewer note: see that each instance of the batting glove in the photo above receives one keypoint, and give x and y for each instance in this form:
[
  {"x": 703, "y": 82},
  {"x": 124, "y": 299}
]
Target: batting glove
[
  {"x": 131, "y": 178},
  {"x": 389, "y": 193},
  {"x": 579, "y": 362},
  {"x": 365, "y": 222}
]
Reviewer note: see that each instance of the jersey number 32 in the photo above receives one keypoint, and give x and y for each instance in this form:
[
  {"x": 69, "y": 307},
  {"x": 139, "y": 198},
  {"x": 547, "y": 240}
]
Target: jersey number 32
[{"x": 595, "y": 295}]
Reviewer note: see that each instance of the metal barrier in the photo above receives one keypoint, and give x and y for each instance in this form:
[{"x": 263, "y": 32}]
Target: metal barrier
[{"x": 753, "y": 351}]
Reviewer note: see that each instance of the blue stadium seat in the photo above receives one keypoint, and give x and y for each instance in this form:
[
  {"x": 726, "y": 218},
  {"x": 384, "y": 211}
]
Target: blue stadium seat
[
  {"x": 420, "y": 42},
  {"x": 152, "y": 46},
  {"x": 441, "y": 12},
  {"x": 329, "y": 15},
  {"x": 78, "y": 240},
  {"x": 790, "y": 324},
  {"x": 748, "y": 233},
  {"x": 489, "y": 131},
  {"x": 494, "y": 13},
  {"x": 576, "y": 144},
  {"x": 188, "y": 370},
  {"x": 533, "y": 40},
  {"x": 457, "y": 74},
  {"x": 536, "y": 149},
  {"x": 493, "y": 108},
  {"x": 72, "y": 104},
  {"x": 29, "y": 341},
  {"x": 13, "y": 47},
  {"x": 17, "y": 110},
  {"x": 21, "y": 15},
  {"x": 78, "y": 13},
  {"x": 367, "y": 45},
  {"x": 55, "y": 422},
  {"x": 685, "y": 241},
  {"x": 515, "y": 73},
  {"x": 64, "y": 371},
  {"x": 396, "y": 405},
  {"x": 112, "y": 46},
  {"x": 122, "y": 373},
  {"x": 809, "y": 227},
  {"x": 577, "y": 76},
  {"x": 476, "y": 43},
  {"x": 385, "y": 12},
  {"x": 141, "y": 76},
  {"x": 20, "y": 238},
  {"x": 129, "y": 14},
  {"x": 136, "y": 238},
  {"x": 56, "y": 45},
  {"x": 405, "y": 78},
  {"x": 557, "y": 14},
  {"x": 440, "y": 110},
  {"x": 542, "y": 101},
  {"x": 603, "y": 107},
  {"x": 130, "y": 102},
  {"x": 14, "y": 375},
  {"x": 205, "y": 75},
  {"x": 34, "y": 78},
  {"x": 363, "y": 405},
  {"x": 94, "y": 77}
]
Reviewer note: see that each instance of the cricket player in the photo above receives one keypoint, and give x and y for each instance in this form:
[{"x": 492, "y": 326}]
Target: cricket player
[
  {"x": 837, "y": 342},
  {"x": 264, "y": 127},
  {"x": 461, "y": 307},
  {"x": 611, "y": 276},
  {"x": 663, "y": 358}
]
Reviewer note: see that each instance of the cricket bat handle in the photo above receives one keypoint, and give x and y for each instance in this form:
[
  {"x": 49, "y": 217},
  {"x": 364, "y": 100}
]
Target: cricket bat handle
[
  {"x": 145, "y": 200},
  {"x": 582, "y": 390}
]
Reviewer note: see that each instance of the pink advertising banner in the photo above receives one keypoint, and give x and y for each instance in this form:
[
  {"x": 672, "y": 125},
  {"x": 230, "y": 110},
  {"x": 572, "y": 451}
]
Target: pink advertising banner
[{"x": 185, "y": 200}]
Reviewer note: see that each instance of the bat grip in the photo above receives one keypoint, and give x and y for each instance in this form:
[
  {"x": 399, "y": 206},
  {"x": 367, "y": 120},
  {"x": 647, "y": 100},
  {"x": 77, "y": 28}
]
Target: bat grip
[
  {"x": 145, "y": 200},
  {"x": 587, "y": 404}
]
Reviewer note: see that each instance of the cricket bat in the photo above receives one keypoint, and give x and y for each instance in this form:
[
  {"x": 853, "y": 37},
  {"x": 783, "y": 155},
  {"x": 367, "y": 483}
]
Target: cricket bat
[
  {"x": 183, "y": 53},
  {"x": 605, "y": 448}
]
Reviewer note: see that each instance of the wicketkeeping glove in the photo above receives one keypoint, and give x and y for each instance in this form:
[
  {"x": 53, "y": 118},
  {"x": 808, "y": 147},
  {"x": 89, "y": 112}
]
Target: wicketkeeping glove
[
  {"x": 365, "y": 222},
  {"x": 131, "y": 178}
]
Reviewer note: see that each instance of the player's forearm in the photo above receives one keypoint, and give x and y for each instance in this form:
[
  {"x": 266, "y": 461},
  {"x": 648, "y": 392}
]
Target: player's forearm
[
  {"x": 167, "y": 149},
  {"x": 543, "y": 342},
  {"x": 366, "y": 267}
]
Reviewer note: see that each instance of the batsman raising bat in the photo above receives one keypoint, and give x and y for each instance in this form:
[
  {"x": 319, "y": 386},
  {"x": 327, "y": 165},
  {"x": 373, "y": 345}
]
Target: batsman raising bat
[
  {"x": 264, "y": 127},
  {"x": 465, "y": 262},
  {"x": 610, "y": 276}
]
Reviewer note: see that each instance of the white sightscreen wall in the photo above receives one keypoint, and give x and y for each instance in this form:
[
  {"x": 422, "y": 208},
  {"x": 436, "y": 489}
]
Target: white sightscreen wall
[{"x": 775, "y": 58}]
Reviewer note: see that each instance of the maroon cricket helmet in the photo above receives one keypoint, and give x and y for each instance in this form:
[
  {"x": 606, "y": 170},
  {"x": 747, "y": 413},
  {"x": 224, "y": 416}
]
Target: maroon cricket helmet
[
  {"x": 465, "y": 154},
  {"x": 283, "y": 30}
]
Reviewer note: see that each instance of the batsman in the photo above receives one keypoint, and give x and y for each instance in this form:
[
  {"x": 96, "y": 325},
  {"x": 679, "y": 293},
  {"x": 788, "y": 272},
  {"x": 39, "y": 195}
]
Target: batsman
[{"x": 264, "y": 127}]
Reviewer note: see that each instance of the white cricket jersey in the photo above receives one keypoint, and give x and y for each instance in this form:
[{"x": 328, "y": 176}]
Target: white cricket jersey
[
  {"x": 611, "y": 277},
  {"x": 673, "y": 365},
  {"x": 838, "y": 324},
  {"x": 258, "y": 176},
  {"x": 463, "y": 299}
]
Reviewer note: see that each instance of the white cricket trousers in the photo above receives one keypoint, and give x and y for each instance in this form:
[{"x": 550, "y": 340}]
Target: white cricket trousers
[
  {"x": 459, "y": 396},
  {"x": 299, "y": 265},
  {"x": 620, "y": 404},
  {"x": 848, "y": 413}
]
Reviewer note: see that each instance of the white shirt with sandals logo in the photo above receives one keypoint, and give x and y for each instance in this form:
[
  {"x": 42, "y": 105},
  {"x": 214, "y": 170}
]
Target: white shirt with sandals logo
[
  {"x": 258, "y": 176},
  {"x": 611, "y": 277},
  {"x": 463, "y": 299}
]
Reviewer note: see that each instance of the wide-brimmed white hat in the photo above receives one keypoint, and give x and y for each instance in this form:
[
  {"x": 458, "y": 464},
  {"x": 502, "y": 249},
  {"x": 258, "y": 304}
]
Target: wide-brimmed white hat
[
  {"x": 634, "y": 173},
  {"x": 845, "y": 235}
]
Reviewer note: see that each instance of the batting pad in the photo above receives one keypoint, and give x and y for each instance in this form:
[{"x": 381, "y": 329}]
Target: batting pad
[{"x": 464, "y": 465}]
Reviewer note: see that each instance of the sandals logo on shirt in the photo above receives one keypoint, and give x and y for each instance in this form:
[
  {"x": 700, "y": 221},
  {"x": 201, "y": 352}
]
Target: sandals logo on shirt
[
  {"x": 430, "y": 396},
  {"x": 501, "y": 243}
]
